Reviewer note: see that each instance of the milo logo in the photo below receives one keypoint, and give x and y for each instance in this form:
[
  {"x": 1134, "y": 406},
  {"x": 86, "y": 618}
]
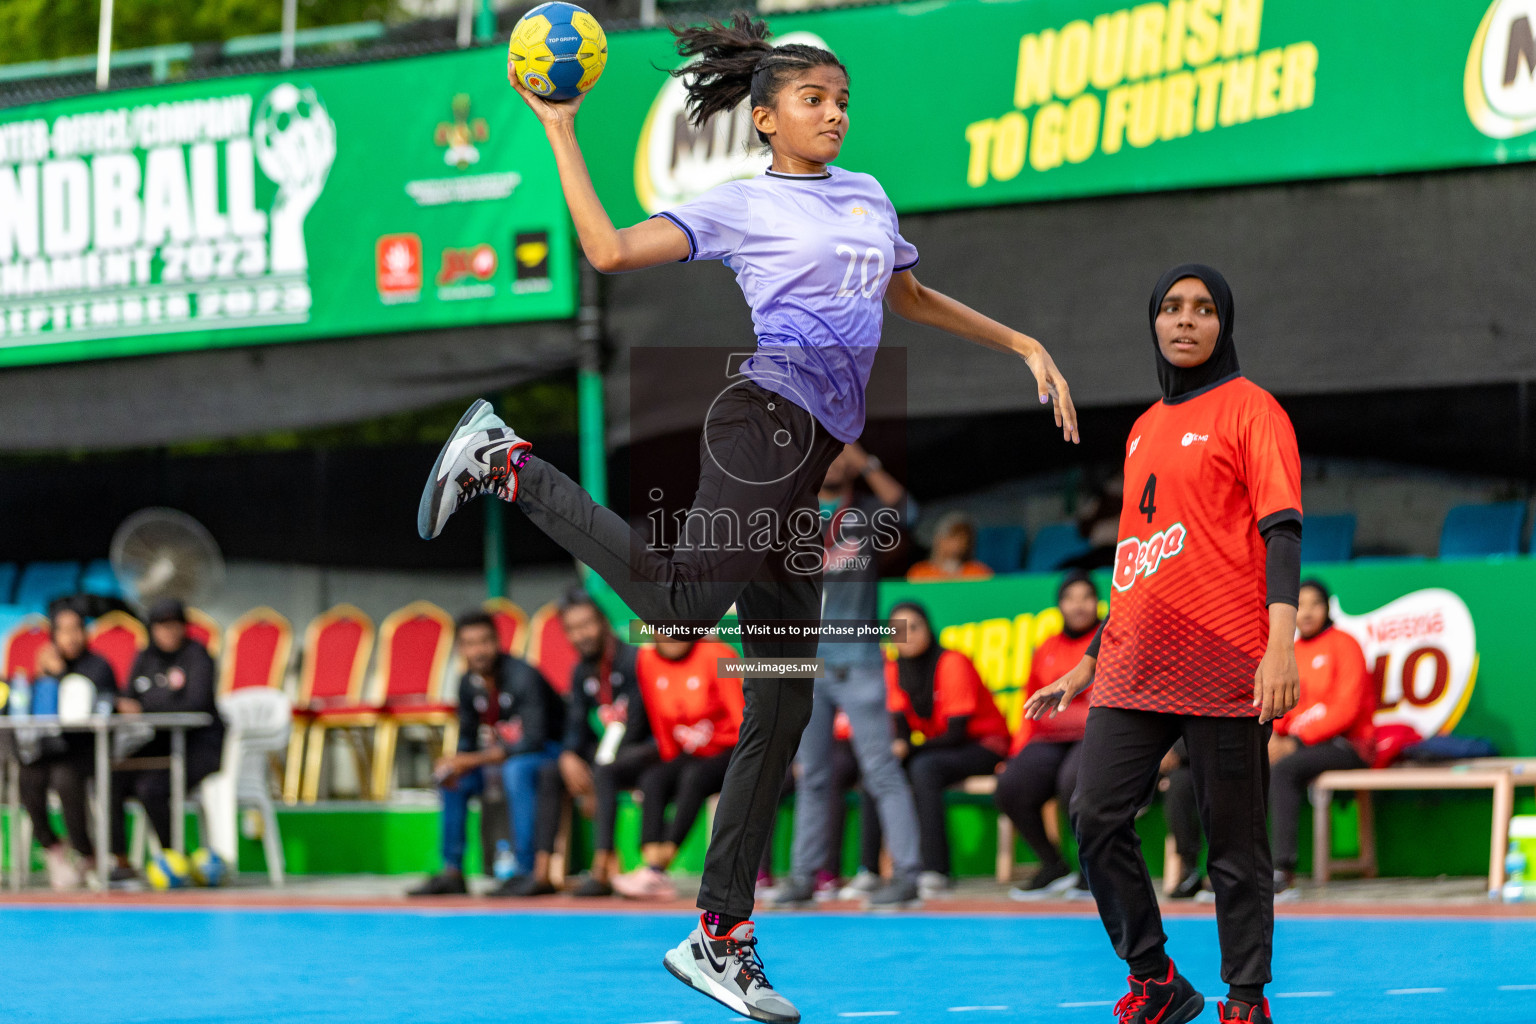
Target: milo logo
[
  {"x": 674, "y": 161},
  {"x": 1500, "y": 80}
]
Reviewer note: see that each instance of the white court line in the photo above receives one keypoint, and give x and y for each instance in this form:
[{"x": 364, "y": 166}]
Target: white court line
[
  {"x": 1413, "y": 991},
  {"x": 1073, "y": 1006},
  {"x": 662, "y": 1022},
  {"x": 1303, "y": 995},
  {"x": 1517, "y": 988},
  {"x": 968, "y": 1009},
  {"x": 869, "y": 1013}
]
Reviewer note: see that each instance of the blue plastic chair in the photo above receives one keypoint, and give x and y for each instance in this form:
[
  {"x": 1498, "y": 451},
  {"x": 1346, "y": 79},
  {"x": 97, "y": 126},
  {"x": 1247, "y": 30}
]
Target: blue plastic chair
[
  {"x": 1054, "y": 544},
  {"x": 99, "y": 578},
  {"x": 41, "y": 582},
  {"x": 7, "y": 581},
  {"x": 1000, "y": 547},
  {"x": 1328, "y": 538},
  {"x": 1477, "y": 531}
]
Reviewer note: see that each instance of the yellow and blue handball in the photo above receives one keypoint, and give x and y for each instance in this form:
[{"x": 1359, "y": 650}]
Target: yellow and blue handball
[
  {"x": 558, "y": 51},
  {"x": 169, "y": 870},
  {"x": 208, "y": 868}
]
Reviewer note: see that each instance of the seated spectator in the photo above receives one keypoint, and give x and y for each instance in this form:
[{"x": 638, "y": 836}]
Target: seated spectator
[
  {"x": 948, "y": 728},
  {"x": 173, "y": 674},
  {"x": 1098, "y": 522},
  {"x": 607, "y": 734},
  {"x": 1330, "y": 728},
  {"x": 71, "y": 761},
  {"x": 1044, "y": 757},
  {"x": 953, "y": 553},
  {"x": 696, "y": 717},
  {"x": 510, "y": 722},
  {"x": 1177, "y": 784}
]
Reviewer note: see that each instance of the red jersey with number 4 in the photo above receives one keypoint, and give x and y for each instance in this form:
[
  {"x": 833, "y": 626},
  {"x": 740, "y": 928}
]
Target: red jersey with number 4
[{"x": 1188, "y": 622}]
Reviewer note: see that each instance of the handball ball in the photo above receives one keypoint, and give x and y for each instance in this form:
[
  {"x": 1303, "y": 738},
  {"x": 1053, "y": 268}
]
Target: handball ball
[
  {"x": 558, "y": 51},
  {"x": 168, "y": 871},
  {"x": 208, "y": 868}
]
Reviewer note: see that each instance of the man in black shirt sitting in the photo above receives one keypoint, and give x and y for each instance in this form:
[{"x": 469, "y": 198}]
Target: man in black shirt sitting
[
  {"x": 69, "y": 761},
  {"x": 510, "y": 721},
  {"x": 605, "y": 726},
  {"x": 173, "y": 674}
]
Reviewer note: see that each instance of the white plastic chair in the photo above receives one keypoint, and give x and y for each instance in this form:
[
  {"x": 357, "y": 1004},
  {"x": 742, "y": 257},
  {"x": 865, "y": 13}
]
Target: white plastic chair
[{"x": 257, "y": 721}]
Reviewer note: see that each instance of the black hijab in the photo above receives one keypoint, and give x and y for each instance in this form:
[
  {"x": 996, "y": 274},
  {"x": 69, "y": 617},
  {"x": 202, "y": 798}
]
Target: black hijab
[
  {"x": 1327, "y": 596},
  {"x": 915, "y": 676},
  {"x": 1078, "y": 576},
  {"x": 1179, "y": 383}
]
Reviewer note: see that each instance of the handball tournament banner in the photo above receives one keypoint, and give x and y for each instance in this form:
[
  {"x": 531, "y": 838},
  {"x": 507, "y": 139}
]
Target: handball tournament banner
[
  {"x": 980, "y": 102},
  {"x": 395, "y": 196}
]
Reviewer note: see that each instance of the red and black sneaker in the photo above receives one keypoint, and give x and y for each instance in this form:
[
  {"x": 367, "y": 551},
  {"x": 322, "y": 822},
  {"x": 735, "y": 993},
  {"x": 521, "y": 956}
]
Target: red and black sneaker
[
  {"x": 1243, "y": 1013},
  {"x": 1172, "y": 1000}
]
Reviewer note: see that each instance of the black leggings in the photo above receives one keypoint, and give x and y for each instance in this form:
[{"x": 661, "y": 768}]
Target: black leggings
[
  {"x": 1229, "y": 765},
  {"x": 1289, "y": 778},
  {"x": 1039, "y": 772},
  {"x": 66, "y": 775},
  {"x": 931, "y": 771},
  {"x": 761, "y": 458},
  {"x": 608, "y": 780},
  {"x": 686, "y": 782}
]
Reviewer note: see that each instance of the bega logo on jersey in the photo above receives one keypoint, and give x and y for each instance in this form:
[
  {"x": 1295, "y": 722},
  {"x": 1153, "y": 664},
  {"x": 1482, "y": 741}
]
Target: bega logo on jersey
[{"x": 1135, "y": 557}]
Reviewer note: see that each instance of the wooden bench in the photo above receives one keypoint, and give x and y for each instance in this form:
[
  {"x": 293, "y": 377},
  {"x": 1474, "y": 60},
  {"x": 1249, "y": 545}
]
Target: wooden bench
[{"x": 1500, "y": 775}]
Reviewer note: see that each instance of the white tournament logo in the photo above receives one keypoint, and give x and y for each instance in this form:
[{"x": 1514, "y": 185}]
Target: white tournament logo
[
  {"x": 1421, "y": 650},
  {"x": 1191, "y": 437},
  {"x": 1500, "y": 80},
  {"x": 674, "y": 161},
  {"x": 295, "y": 145}
]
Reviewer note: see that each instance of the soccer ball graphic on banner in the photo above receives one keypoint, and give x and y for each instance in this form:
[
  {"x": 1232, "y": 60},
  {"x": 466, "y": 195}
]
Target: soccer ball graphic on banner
[
  {"x": 295, "y": 142},
  {"x": 558, "y": 51}
]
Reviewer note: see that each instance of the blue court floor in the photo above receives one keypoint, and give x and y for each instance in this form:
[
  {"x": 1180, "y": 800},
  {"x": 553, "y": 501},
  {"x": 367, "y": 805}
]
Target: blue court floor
[{"x": 220, "y": 966}]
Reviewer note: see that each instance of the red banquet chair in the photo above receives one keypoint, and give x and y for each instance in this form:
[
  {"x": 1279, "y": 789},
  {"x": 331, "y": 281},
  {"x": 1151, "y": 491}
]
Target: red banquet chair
[
  {"x": 259, "y": 644},
  {"x": 22, "y": 645},
  {"x": 205, "y": 629},
  {"x": 548, "y": 649},
  {"x": 336, "y": 648},
  {"x": 511, "y": 625},
  {"x": 118, "y": 637},
  {"x": 413, "y": 652}
]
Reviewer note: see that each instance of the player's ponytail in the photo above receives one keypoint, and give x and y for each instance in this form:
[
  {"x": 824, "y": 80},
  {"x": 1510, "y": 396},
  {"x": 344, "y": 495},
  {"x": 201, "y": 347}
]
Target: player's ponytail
[{"x": 735, "y": 62}]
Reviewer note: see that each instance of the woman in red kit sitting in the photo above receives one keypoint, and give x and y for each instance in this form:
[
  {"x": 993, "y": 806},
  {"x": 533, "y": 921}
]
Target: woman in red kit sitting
[
  {"x": 696, "y": 717},
  {"x": 948, "y": 728},
  {"x": 1043, "y": 761},
  {"x": 1329, "y": 729}
]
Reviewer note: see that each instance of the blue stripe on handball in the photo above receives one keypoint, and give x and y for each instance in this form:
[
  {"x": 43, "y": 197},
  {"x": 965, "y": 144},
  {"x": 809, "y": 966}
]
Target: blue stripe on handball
[{"x": 558, "y": 51}]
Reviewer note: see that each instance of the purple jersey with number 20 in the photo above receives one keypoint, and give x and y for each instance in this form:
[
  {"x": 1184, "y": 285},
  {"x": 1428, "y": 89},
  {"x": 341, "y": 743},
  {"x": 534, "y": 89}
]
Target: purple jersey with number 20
[{"x": 813, "y": 255}]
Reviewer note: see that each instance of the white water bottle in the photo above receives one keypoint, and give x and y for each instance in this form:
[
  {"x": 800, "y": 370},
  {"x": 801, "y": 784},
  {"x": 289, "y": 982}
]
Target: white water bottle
[
  {"x": 1514, "y": 873},
  {"x": 506, "y": 864},
  {"x": 21, "y": 696}
]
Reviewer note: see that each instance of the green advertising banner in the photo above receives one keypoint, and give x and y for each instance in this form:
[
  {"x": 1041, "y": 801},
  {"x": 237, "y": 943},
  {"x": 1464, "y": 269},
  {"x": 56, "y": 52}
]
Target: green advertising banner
[
  {"x": 393, "y": 196},
  {"x": 1447, "y": 641},
  {"x": 981, "y": 102}
]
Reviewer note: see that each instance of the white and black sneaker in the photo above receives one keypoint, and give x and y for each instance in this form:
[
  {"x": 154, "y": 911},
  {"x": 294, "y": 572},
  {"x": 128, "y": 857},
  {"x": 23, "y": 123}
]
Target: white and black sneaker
[
  {"x": 480, "y": 457},
  {"x": 727, "y": 969}
]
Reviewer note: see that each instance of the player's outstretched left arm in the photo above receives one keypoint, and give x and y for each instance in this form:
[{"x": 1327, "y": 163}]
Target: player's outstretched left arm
[
  {"x": 1277, "y": 684},
  {"x": 913, "y": 301}
]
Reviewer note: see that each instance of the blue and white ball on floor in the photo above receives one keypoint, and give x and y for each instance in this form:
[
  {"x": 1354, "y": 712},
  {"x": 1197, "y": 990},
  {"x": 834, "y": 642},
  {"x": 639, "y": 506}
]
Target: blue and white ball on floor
[{"x": 208, "y": 868}]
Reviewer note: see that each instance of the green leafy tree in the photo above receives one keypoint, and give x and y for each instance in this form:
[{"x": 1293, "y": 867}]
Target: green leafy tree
[{"x": 48, "y": 29}]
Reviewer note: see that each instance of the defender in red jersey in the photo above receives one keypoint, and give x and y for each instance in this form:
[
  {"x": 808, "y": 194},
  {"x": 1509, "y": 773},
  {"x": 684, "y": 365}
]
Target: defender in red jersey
[{"x": 1198, "y": 645}]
